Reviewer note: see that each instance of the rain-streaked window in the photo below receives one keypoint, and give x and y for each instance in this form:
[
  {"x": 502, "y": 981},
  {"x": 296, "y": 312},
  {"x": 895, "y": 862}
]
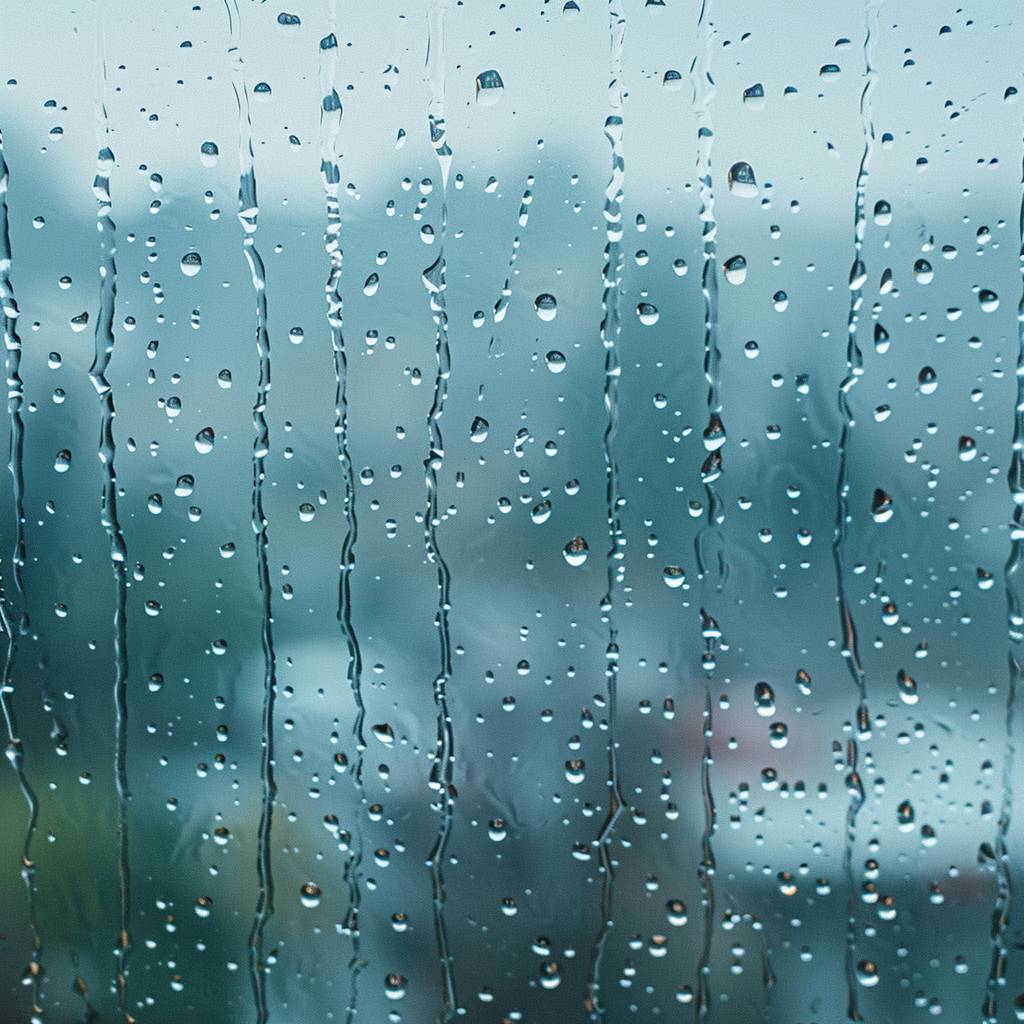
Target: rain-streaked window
[{"x": 514, "y": 512}]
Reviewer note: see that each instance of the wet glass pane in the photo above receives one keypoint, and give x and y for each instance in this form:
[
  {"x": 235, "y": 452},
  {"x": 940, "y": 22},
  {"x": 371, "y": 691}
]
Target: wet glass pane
[{"x": 514, "y": 512}]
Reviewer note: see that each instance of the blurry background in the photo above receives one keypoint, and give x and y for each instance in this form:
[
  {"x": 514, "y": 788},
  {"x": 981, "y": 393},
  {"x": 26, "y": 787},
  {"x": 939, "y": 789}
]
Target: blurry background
[{"x": 783, "y": 929}]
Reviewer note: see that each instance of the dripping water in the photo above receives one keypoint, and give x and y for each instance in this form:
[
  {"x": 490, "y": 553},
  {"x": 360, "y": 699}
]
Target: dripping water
[
  {"x": 855, "y": 789},
  {"x": 434, "y": 279},
  {"x": 1015, "y": 624},
  {"x": 330, "y": 173},
  {"x": 611, "y": 326},
  {"x": 103, "y": 353},
  {"x": 501, "y": 306},
  {"x": 15, "y": 464},
  {"x": 709, "y": 536},
  {"x": 712, "y": 635},
  {"x": 768, "y": 978},
  {"x": 854, "y": 370},
  {"x": 15, "y": 396},
  {"x": 89, "y": 1014},
  {"x": 248, "y": 216},
  {"x": 711, "y": 469},
  {"x": 707, "y": 865}
]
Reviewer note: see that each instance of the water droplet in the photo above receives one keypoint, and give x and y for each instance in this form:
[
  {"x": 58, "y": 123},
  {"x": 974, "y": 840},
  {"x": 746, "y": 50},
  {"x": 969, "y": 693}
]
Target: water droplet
[
  {"x": 881, "y": 506},
  {"x": 907, "y": 687},
  {"x": 675, "y": 911},
  {"x": 648, "y": 313},
  {"x": 674, "y": 576},
  {"x": 753, "y": 96},
  {"x": 672, "y": 81},
  {"x": 209, "y": 154},
  {"x": 988, "y": 300},
  {"x": 384, "y": 733},
  {"x": 967, "y": 448},
  {"x": 764, "y": 699},
  {"x": 489, "y": 88},
  {"x": 546, "y": 306},
  {"x": 205, "y": 440},
  {"x": 478, "y": 430},
  {"x": 395, "y": 986},
  {"x": 742, "y": 182},
  {"x": 555, "y": 361},
  {"x": 310, "y": 895},
  {"x": 576, "y": 551},
  {"x": 735, "y": 268},
  {"x": 191, "y": 264},
  {"x": 867, "y": 973}
]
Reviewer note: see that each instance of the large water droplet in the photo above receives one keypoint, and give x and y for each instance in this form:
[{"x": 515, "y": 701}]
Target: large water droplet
[{"x": 489, "y": 88}]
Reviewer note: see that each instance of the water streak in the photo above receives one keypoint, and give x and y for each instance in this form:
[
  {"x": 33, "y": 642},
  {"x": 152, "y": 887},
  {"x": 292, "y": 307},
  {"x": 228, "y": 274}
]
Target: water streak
[
  {"x": 434, "y": 279},
  {"x": 1015, "y": 626},
  {"x": 330, "y": 174},
  {"x": 81, "y": 989},
  {"x": 103, "y": 353},
  {"x": 15, "y": 466},
  {"x": 712, "y": 637},
  {"x": 15, "y": 395},
  {"x": 248, "y": 216},
  {"x": 714, "y": 434},
  {"x": 854, "y": 370},
  {"x": 501, "y": 306},
  {"x": 611, "y": 328},
  {"x": 712, "y": 571}
]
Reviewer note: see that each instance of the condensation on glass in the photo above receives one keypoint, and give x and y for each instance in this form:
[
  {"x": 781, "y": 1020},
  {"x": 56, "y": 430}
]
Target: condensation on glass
[{"x": 514, "y": 511}]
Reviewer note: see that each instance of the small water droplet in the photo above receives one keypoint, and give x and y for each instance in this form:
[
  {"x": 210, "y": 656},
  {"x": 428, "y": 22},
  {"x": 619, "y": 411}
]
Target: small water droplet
[
  {"x": 191, "y": 264},
  {"x": 478, "y": 430},
  {"x": 555, "y": 361},
  {"x": 735, "y": 268},
  {"x": 576, "y": 551},
  {"x": 648, "y": 313},
  {"x": 209, "y": 154},
  {"x": 205, "y": 440},
  {"x": 546, "y": 306},
  {"x": 489, "y": 88},
  {"x": 753, "y": 96},
  {"x": 742, "y": 182}
]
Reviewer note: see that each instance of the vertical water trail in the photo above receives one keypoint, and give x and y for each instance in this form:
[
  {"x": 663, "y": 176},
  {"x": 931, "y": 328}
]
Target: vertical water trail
[
  {"x": 15, "y": 466},
  {"x": 1015, "y": 628},
  {"x": 768, "y": 978},
  {"x": 15, "y": 396},
  {"x": 248, "y": 216},
  {"x": 434, "y": 279},
  {"x": 707, "y": 867},
  {"x": 855, "y": 789},
  {"x": 330, "y": 174},
  {"x": 81, "y": 989},
  {"x": 854, "y": 370},
  {"x": 714, "y": 434},
  {"x": 703, "y": 85},
  {"x": 501, "y": 306},
  {"x": 712, "y": 636},
  {"x": 103, "y": 353},
  {"x": 611, "y": 327}
]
